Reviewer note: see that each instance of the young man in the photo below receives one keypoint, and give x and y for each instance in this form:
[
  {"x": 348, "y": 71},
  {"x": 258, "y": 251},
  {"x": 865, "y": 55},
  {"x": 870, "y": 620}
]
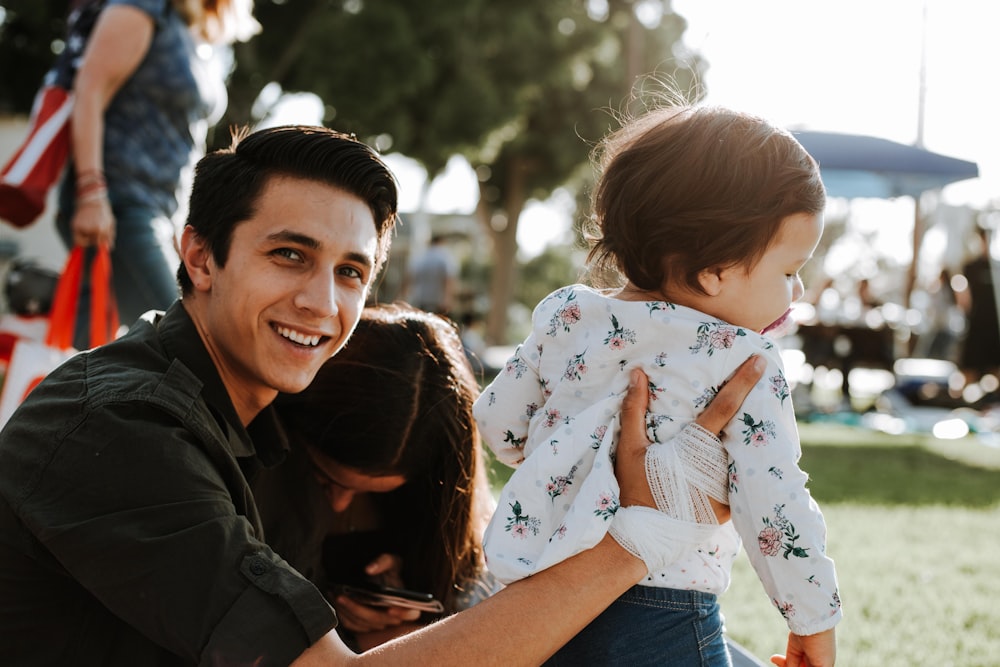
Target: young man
[{"x": 128, "y": 533}]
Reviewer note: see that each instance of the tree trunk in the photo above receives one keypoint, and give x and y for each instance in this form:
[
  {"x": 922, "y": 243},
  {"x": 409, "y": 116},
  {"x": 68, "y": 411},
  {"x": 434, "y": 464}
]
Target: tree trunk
[{"x": 505, "y": 253}]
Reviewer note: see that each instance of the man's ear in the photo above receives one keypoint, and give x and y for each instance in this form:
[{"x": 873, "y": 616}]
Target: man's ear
[
  {"x": 711, "y": 280},
  {"x": 197, "y": 259}
]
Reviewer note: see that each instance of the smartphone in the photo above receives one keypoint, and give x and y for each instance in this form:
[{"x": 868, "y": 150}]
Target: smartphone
[{"x": 376, "y": 595}]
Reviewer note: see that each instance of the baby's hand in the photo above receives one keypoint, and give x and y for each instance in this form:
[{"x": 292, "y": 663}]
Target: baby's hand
[{"x": 818, "y": 650}]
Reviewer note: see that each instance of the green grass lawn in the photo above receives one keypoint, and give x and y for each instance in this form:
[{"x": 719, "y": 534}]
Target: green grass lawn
[{"x": 914, "y": 527}]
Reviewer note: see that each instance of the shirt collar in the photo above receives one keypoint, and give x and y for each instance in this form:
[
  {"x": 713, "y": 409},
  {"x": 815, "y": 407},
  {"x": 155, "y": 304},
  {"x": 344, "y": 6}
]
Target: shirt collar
[{"x": 265, "y": 436}]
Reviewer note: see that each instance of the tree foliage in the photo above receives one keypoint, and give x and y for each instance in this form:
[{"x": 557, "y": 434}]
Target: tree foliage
[
  {"x": 31, "y": 33},
  {"x": 522, "y": 88}
]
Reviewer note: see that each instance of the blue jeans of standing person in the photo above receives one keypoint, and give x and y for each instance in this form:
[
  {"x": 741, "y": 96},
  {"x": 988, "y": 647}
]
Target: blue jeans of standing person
[
  {"x": 651, "y": 626},
  {"x": 143, "y": 264}
]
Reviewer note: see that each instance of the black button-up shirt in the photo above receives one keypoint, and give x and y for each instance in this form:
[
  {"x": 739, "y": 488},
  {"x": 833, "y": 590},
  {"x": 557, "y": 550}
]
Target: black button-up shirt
[{"x": 128, "y": 532}]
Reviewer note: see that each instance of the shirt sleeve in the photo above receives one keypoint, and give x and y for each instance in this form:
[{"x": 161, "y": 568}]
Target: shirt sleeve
[
  {"x": 778, "y": 520},
  {"x": 142, "y": 514},
  {"x": 505, "y": 407}
]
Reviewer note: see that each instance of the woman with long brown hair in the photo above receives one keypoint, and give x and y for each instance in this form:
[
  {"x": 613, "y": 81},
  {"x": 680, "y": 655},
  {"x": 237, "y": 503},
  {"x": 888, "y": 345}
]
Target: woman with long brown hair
[{"x": 385, "y": 480}]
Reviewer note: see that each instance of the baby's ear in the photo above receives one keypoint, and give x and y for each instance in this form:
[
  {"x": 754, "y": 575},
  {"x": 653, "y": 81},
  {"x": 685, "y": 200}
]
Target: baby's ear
[{"x": 711, "y": 279}]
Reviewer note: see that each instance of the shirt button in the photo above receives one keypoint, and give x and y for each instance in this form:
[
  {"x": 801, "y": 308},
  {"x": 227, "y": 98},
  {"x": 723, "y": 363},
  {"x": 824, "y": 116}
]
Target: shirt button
[{"x": 257, "y": 566}]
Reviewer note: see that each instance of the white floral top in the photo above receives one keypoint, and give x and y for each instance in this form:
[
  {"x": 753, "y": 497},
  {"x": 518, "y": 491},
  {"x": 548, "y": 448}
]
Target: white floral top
[{"x": 553, "y": 413}]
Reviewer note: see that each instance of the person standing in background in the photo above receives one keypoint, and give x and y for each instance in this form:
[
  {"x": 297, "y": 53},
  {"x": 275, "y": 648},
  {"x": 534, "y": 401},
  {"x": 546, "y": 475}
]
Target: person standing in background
[
  {"x": 150, "y": 82},
  {"x": 431, "y": 278},
  {"x": 981, "y": 346}
]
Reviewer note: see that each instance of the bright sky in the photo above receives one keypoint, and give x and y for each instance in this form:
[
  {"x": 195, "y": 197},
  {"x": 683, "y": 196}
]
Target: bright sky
[{"x": 854, "y": 66}]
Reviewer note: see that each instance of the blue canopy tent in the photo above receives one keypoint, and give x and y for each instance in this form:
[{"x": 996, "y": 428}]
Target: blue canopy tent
[
  {"x": 858, "y": 166},
  {"x": 855, "y": 166}
]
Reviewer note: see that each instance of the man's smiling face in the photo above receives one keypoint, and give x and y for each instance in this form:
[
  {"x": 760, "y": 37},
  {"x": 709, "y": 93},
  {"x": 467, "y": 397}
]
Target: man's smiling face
[{"x": 291, "y": 291}]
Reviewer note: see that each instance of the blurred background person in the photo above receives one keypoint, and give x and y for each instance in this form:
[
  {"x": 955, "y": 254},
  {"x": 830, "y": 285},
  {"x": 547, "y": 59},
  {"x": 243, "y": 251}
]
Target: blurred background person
[
  {"x": 431, "y": 278},
  {"x": 945, "y": 321},
  {"x": 384, "y": 481},
  {"x": 150, "y": 83},
  {"x": 980, "y": 351}
]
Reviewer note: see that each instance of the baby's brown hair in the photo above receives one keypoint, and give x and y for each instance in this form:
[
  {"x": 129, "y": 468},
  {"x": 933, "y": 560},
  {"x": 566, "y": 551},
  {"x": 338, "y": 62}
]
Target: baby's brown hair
[{"x": 683, "y": 189}]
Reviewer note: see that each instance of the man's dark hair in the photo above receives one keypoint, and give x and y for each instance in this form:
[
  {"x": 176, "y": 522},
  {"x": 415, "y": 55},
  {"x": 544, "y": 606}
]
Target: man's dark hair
[{"x": 228, "y": 182}]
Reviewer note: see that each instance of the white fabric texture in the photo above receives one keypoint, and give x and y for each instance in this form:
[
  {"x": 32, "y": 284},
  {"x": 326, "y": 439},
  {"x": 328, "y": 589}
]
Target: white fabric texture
[
  {"x": 552, "y": 412},
  {"x": 685, "y": 472},
  {"x": 654, "y": 537}
]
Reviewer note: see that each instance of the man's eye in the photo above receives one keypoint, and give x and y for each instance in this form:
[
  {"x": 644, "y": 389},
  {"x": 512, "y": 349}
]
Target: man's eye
[
  {"x": 351, "y": 272},
  {"x": 288, "y": 253}
]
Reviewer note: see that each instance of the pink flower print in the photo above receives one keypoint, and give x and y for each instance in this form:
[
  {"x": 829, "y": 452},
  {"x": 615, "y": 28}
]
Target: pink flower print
[
  {"x": 576, "y": 367},
  {"x": 530, "y": 409},
  {"x": 706, "y": 396},
  {"x": 769, "y": 540},
  {"x": 757, "y": 433},
  {"x": 787, "y": 609},
  {"x": 552, "y": 416},
  {"x": 654, "y": 390},
  {"x": 660, "y": 359},
  {"x": 569, "y": 315},
  {"x": 714, "y": 336},
  {"x": 659, "y": 305},
  {"x": 566, "y": 316},
  {"x": 779, "y": 387},
  {"x": 606, "y": 505},
  {"x": 734, "y": 478},
  {"x": 597, "y": 437},
  {"x": 560, "y": 532},
  {"x": 516, "y": 367},
  {"x": 619, "y": 336},
  {"x": 557, "y": 485},
  {"x": 722, "y": 338},
  {"x": 521, "y": 525}
]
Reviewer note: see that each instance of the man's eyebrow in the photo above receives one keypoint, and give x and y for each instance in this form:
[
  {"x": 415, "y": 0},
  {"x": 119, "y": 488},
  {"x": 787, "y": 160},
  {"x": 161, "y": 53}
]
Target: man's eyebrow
[
  {"x": 286, "y": 236},
  {"x": 361, "y": 258}
]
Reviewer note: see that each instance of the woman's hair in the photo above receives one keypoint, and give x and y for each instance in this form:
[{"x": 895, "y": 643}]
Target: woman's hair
[
  {"x": 683, "y": 189},
  {"x": 397, "y": 400},
  {"x": 219, "y": 21}
]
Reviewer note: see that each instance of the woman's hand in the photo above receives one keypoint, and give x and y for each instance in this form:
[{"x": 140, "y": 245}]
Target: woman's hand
[
  {"x": 358, "y": 617},
  {"x": 93, "y": 223},
  {"x": 361, "y": 618}
]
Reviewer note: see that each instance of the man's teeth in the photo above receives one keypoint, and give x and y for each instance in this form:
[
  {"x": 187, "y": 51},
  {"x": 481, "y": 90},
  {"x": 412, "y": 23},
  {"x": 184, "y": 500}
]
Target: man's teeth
[{"x": 300, "y": 338}]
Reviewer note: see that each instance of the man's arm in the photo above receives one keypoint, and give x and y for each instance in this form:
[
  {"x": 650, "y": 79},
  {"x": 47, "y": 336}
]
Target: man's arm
[{"x": 562, "y": 599}]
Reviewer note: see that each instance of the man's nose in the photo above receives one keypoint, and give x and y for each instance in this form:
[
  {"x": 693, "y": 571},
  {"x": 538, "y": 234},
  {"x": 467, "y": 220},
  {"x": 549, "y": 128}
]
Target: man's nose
[{"x": 319, "y": 295}]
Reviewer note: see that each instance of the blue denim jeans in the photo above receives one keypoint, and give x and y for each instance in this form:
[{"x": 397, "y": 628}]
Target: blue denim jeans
[
  {"x": 651, "y": 626},
  {"x": 143, "y": 265}
]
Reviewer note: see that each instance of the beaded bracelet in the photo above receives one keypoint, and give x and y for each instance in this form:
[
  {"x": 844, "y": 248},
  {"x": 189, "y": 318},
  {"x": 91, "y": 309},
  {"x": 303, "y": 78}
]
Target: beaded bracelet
[{"x": 92, "y": 195}]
